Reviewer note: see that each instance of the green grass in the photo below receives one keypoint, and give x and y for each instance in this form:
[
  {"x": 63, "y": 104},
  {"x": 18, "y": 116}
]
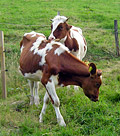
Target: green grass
[{"x": 83, "y": 117}]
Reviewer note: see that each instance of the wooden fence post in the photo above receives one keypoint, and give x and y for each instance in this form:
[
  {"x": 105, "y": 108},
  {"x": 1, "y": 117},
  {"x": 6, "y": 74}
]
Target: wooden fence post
[
  {"x": 3, "y": 75},
  {"x": 116, "y": 37}
]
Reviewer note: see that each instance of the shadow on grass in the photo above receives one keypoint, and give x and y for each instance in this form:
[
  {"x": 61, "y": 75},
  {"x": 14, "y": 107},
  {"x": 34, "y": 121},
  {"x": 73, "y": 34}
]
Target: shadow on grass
[{"x": 114, "y": 98}]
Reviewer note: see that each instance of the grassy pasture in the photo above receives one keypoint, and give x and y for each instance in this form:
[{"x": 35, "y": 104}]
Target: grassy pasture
[{"x": 83, "y": 117}]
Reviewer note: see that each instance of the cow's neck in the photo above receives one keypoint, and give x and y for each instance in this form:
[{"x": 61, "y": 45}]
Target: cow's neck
[
  {"x": 68, "y": 79},
  {"x": 69, "y": 64},
  {"x": 71, "y": 42}
]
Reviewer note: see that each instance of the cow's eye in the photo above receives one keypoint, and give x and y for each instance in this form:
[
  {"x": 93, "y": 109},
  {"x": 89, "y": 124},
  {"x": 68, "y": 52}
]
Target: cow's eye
[
  {"x": 60, "y": 28},
  {"x": 97, "y": 85}
]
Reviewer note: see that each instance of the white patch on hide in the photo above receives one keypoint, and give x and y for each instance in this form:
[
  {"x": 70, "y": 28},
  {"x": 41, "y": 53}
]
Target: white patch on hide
[
  {"x": 79, "y": 37},
  {"x": 21, "y": 49},
  {"x": 37, "y": 44},
  {"x": 42, "y": 53},
  {"x": 77, "y": 29},
  {"x": 34, "y": 34},
  {"x": 61, "y": 49},
  {"x": 34, "y": 76}
]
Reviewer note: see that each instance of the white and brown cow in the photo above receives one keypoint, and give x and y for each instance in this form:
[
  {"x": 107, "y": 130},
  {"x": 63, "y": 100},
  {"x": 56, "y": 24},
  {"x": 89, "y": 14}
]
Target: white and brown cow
[
  {"x": 35, "y": 38},
  {"x": 51, "y": 63},
  {"x": 70, "y": 36}
]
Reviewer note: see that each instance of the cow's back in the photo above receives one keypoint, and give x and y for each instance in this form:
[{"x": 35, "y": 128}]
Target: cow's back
[
  {"x": 76, "y": 33},
  {"x": 29, "y": 60}
]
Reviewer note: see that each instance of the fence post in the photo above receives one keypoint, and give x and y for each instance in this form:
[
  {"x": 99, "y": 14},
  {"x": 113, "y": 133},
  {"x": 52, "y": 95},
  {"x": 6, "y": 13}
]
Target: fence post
[
  {"x": 116, "y": 37},
  {"x": 2, "y": 55}
]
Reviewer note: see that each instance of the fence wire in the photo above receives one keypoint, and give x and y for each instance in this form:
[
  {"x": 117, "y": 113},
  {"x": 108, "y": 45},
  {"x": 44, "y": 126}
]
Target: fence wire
[{"x": 42, "y": 26}]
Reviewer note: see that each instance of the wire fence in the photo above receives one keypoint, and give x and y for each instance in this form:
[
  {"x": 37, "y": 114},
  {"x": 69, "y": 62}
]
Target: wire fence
[{"x": 43, "y": 26}]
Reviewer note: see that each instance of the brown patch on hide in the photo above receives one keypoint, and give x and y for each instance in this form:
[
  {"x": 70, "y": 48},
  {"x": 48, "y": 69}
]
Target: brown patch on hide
[
  {"x": 84, "y": 48},
  {"x": 75, "y": 30},
  {"x": 71, "y": 43},
  {"x": 29, "y": 62},
  {"x": 84, "y": 41}
]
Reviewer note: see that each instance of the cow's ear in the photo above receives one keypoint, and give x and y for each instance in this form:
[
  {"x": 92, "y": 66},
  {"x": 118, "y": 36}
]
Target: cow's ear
[
  {"x": 67, "y": 19},
  {"x": 92, "y": 68}
]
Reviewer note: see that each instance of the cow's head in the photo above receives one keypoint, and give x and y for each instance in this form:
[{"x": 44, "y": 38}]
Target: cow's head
[
  {"x": 59, "y": 27},
  {"x": 92, "y": 84}
]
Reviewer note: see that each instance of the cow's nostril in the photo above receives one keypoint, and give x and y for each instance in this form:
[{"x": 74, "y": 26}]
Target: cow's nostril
[
  {"x": 94, "y": 96},
  {"x": 51, "y": 38}
]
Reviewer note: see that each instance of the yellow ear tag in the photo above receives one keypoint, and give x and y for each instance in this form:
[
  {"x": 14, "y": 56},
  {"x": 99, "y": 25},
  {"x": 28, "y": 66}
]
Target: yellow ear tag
[{"x": 90, "y": 69}]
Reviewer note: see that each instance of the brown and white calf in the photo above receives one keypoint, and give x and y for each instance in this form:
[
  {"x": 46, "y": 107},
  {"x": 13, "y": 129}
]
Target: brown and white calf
[
  {"x": 51, "y": 63},
  {"x": 35, "y": 38},
  {"x": 70, "y": 36}
]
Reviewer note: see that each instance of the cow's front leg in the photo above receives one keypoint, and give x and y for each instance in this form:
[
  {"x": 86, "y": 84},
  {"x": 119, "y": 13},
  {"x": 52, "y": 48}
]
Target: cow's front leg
[
  {"x": 60, "y": 119},
  {"x": 55, "y": 101},
  {"x": 36, "y": 96},
  {"x": 45, "y": 102}
]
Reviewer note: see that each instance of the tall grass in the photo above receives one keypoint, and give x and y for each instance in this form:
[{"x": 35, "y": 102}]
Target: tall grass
[{"x": 82, "y": 116}]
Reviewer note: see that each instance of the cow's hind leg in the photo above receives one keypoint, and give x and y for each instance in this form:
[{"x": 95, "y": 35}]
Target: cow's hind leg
[
  {"x": 75, "y": 87},
  {"x": 31, "y": 84},
  {"x": 45, "y": 102},
  {"x": 36, "y": 96}
]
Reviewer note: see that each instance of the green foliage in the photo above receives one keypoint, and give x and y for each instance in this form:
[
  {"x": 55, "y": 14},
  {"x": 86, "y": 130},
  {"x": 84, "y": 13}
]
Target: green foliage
[{"x": 83, "y": 117}]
